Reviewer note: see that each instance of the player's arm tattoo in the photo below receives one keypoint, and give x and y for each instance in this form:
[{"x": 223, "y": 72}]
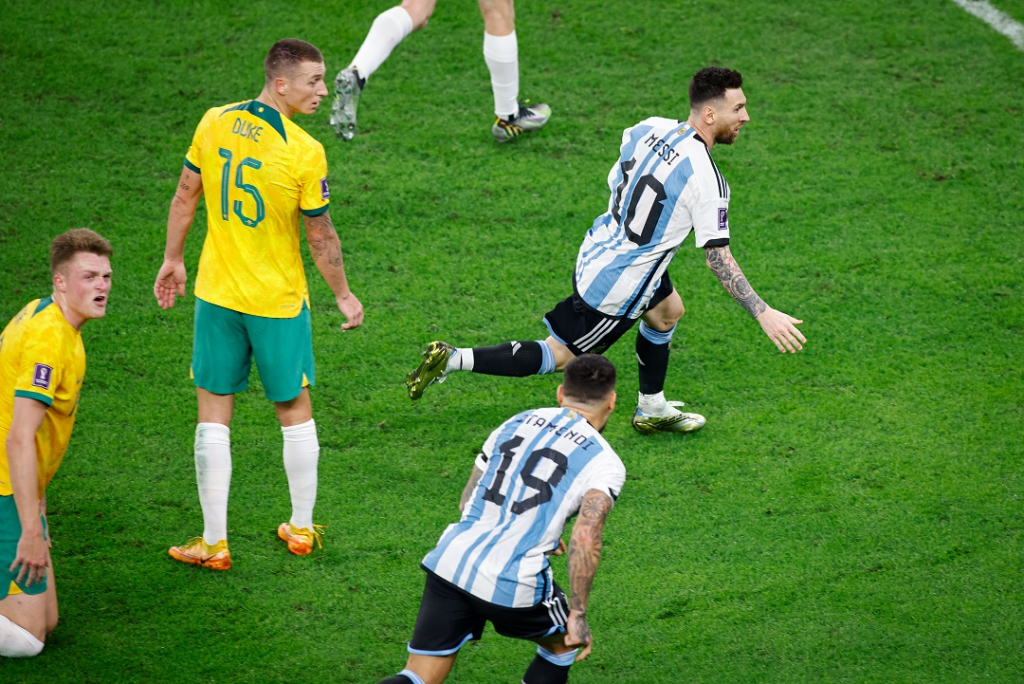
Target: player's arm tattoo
[
  {"x": 725, "y": 268},
  {"x": 467, "y": 491},
  {"x": 323, "y": 239},
  {"x": 585, "y": 547}
]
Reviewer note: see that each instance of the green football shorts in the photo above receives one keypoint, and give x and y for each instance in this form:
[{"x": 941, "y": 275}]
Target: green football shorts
[
  {"x": 10, "y": 534},
  {"x": 226, "y": 342}
]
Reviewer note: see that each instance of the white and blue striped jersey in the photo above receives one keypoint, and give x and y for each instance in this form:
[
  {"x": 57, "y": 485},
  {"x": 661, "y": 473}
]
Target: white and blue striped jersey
[
  {"x": 537, "y": 467},
  {"x": 664, "y": 185}
]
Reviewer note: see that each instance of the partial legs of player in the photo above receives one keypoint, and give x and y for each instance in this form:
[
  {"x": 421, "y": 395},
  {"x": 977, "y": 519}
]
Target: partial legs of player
[
  {"x": 511, "y": 359},
  {"x": 301, "y": 459},
  {"x": 512, "y": 118},
  {"x": 27, "y": 620},
  {"x": 653, "y": 412},
  {"x": 389, "y": 29},
  {"x": 212, "y": 452},
  {"x": 591, "y": 333},
  {"x": 301, "y": 453},
  {"x": 501, "y": 54}
]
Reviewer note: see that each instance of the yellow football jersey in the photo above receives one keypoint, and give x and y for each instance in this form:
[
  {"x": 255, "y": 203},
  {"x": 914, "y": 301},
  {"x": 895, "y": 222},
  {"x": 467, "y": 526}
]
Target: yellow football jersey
[
  {"x": 259, "y": 170},
  {"x": 41, "y": 357}
]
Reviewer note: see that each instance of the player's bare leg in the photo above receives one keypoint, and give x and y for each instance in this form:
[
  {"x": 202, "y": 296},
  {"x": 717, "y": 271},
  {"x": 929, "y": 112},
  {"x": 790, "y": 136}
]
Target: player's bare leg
[{"x": 36, "y": 614}]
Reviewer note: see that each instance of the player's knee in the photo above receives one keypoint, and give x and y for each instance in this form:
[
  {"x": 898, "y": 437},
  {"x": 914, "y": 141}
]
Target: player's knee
[
  {"x": 664, "y": 316},
  {"x": 419, "y": 11},
  {"x": 561, "y": 353},
  {"x": 679, "y": 312},
  {"x": 17, "y": 642},
  {"x": 672, "y": 313},
  {"x": 499, "y": 16}
]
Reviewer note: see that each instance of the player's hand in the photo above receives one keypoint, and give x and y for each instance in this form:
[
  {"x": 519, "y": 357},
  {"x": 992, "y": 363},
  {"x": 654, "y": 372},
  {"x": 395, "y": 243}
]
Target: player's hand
[
  {"x": 781, "y": 329},
  {"x": 559, "y": 550},
  {"x": 352, "y": 310},
  {"x": 33, "y": 555},
  {"x": 577, "y": 634},
  {"x": 170, "y": 282}
]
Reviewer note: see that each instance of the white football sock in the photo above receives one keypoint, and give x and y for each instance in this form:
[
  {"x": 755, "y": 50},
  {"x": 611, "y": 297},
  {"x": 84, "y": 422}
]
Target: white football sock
[
  {"x": 388, "y": 30},
  {"x": 301, "y": 456},
  {"x": 461, "y": 359},
  {"x": 653, "y": 403},
  {"x": 213, "y": 475},
  {"x": 502, "y": 56},
  {"x": 17, "y": 642}
]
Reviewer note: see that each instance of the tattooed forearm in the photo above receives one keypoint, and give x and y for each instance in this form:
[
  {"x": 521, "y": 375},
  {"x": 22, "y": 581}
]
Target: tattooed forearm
[
  {"x": 725, "y": 268},
  {"x": 585, "y": 547},
  {"x": 467, "y": 491},
  {"x": 323, "y": 239}
]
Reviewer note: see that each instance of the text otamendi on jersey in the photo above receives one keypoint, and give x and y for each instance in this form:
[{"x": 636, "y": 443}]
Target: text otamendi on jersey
[{"x": 559, "y": 430}]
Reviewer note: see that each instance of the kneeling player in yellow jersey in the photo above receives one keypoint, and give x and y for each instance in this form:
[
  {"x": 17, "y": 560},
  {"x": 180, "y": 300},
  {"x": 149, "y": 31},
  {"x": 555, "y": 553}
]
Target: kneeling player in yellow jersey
[
  {"x": 259, "y": 172},
  {"x": 42, "y": 365}
]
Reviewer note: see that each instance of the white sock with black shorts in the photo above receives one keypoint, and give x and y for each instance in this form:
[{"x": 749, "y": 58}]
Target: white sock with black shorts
[
  {"x": 213, "y": 475},
  {"x": 17, "y": 642},
  {"x": 502, "y": 56},
  {"x": 301, "y": 457},
  {"x": 389, "y": 29}
]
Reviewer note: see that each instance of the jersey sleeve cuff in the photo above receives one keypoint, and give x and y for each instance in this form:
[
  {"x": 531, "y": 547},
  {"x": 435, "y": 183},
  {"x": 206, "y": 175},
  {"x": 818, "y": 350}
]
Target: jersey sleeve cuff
[
  {"x": 189, "y": 165},
  {"x": 34, "y": 395},
  {"x": 316, "y": 212},
  {"x": 717, "y": 242}
]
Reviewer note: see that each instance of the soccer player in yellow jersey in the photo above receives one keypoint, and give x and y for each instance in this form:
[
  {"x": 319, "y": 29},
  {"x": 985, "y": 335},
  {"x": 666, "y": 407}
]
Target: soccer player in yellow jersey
[
  {"x": 42, "y": 364},
  {"x": 260, "y": 172}
]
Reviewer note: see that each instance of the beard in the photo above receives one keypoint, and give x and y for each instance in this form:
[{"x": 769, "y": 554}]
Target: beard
[{"x": 726, "y": 137}]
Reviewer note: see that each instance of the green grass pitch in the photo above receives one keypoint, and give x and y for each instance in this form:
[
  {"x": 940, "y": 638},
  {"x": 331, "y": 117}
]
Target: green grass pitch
[{"x": 852, "y": 513}]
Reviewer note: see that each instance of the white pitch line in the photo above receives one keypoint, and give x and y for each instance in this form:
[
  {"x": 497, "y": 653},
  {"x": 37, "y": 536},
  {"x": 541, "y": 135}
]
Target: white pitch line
[{"x": 1000, "y": 21}]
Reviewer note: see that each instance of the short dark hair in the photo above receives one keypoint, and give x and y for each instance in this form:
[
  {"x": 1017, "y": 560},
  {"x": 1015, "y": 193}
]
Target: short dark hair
[
  {"x": 66, "y": 245},
  {"x": 287, "y": 54},
  {"x": 588, "y": 378},
  {"x": 710, "y": 83}
]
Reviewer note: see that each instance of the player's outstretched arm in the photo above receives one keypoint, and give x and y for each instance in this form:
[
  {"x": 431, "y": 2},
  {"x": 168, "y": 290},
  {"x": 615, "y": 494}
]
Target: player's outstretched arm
[
  {"x": 584, "y": 556},
  {"x": 32, "y": 557},
  {"x": 779, "y": 327},
  {"x": 325, "y": 247},
  {"x": 171, "y": 278}
]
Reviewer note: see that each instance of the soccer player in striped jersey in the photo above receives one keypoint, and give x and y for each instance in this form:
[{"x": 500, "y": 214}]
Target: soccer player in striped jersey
[
  {"x": 664, "y": 186},
  {"x": 260, "y": 172},
  {"x": 501, "y": 54},
  {"x": 536, "y": 471},
  {"x": 42, "y": 366}
]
